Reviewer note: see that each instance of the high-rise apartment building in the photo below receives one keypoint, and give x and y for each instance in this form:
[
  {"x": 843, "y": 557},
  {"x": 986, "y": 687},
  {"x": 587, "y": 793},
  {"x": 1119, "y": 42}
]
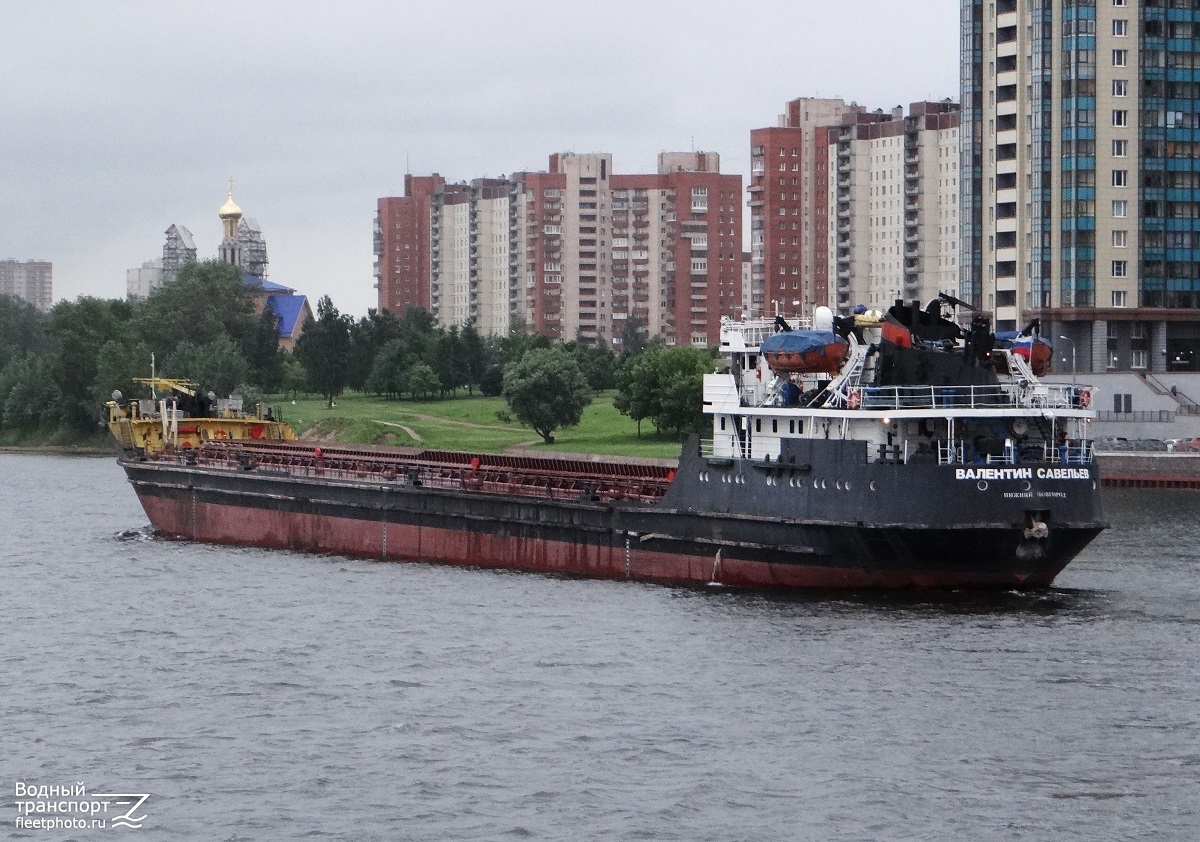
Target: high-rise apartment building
[
  {"x": 142, "y": 281},
  {"x": 31, "y": 281},
  {"x": 892, "y": 217},
  {"x": 788, "y": 214},
  {"x": 402, "y": 245},
  {"x": 469, "y": 258},
  {"x": 852, "y": 207},
  {"x": 576, "y": 251},
  {"x": 595, "y": 250},
  {"x": 1081, "y": 172}
]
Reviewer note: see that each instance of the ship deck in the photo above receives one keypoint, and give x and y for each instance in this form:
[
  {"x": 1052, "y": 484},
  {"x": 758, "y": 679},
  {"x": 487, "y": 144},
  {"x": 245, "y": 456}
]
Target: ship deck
[{"x": 521, "y": 476}]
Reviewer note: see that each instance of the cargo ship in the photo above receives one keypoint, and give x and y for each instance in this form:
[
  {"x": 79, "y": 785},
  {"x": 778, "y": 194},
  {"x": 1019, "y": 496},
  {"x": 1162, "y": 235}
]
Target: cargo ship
[{"x": 929, "y": 456}]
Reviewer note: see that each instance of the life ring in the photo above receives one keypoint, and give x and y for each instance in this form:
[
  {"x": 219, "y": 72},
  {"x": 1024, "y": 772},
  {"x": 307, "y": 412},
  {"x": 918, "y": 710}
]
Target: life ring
[
  {"x": 1085, "y": 398},
  {"x": 854, "y": 399}
]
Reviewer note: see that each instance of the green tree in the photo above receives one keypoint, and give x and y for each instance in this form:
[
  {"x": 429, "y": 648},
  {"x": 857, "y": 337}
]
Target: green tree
[
  {"x": 324, "y": 349},
  {"x": 207, "y": 300},
  {"x": 596, "y": 362},
  {"x": 665, "y": 385},
  {"x": 473, "y": 355},
  {"x": 444, "y": 356},
  {"x": 636, "y": 388},
  {"x": 415, "y": 328},
  {"x": 514, "y": 346},
  {"x": 491, "y": 384},
  {"x": 29, "y": 398},
  {"x": 295, "y": 376},
  {"x": 420, "y": 380},
  {"x": 117, "y": 364},
  {"x": 681, "y": 387},
  {"x": 633, "y": 336},
  {"x": 22, "y": 330},
  {"x": 78, "y": 330},
  {"x": 387, "y": 372},
  {"x": 263, "y": 353},
  {"x": 218, "y": 365},
  {"x": 368, "y": 337},
  {"x": 546, "y": 391}
]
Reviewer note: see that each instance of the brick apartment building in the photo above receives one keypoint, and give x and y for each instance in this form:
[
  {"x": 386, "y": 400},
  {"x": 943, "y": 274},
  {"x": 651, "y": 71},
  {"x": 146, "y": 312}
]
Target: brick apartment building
[{"x": 585, "y": 249}]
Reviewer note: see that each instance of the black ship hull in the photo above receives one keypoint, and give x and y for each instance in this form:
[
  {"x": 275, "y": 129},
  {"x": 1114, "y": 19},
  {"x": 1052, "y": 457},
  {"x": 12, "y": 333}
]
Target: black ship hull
[{"x": 822, "y": 518}]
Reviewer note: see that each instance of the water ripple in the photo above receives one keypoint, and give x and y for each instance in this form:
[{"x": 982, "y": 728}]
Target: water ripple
[{"x": 279, "y": 695}]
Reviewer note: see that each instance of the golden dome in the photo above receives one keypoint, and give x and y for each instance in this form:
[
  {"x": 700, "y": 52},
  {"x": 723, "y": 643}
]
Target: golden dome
[{"x": 230, "y": 210}]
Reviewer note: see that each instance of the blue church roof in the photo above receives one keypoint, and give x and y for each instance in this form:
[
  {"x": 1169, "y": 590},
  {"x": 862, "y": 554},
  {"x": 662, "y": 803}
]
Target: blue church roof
[
  {"x": 288, "y": 308},
  {"x": 263, "y": 285}
]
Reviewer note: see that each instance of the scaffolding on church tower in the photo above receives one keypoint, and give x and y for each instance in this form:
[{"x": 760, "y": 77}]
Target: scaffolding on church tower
[
  {"x": 178, "y": 251},
  {"x": 253, "y": 246}
]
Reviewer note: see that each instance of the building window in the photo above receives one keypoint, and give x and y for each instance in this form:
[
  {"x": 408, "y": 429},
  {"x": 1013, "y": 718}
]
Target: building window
[
  {"x": 1120, "y": 117},
  {"x": 1120, "y": 87},
  {"x": 1120, "y": 208},
  {"x": 1118, "y": 2},
  {"x": 1138, "y": 359},
  {"x": 1120, "y": 298},
  {"x": 1120, "y": 58},
  {"x": 1120, "y": 268},
  {"x": 1120, "y": 238},
  {"x": 1120, "y": 27},
  {"x": 1120, "y": 148},
  {"x": 1120, "y": 178}
]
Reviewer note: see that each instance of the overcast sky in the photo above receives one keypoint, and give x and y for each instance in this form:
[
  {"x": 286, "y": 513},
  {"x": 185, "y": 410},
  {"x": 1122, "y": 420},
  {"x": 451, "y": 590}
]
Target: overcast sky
[{"x": 118, "y": 119}]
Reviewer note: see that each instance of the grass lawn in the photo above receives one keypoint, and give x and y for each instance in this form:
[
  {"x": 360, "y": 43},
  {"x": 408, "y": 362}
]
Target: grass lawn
[{"x": 470, "y": 423}]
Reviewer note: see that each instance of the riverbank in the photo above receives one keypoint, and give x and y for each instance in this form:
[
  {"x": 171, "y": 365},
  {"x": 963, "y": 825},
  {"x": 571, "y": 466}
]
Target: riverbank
[{"x": 58, "y": 449}]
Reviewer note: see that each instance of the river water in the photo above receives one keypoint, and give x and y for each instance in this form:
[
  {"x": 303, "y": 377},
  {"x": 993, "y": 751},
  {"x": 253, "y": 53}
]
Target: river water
[{"x": 272, "y": 695}]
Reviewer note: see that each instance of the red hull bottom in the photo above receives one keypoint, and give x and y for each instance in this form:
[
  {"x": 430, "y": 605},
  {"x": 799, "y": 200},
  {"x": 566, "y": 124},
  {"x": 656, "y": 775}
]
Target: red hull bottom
[{"x": 605, "y": 559}]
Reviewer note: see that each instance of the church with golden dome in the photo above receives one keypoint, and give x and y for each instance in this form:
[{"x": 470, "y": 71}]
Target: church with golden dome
[{"x": 242, "y": 245}]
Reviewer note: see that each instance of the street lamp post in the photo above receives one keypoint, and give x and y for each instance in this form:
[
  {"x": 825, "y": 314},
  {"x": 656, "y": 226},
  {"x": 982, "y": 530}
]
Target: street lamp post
[{"x": 1072, "y": 341}]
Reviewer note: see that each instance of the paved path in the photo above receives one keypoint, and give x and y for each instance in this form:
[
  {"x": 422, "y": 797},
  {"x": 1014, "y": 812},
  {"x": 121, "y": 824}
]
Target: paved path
[{"x": 411, "y": 432}]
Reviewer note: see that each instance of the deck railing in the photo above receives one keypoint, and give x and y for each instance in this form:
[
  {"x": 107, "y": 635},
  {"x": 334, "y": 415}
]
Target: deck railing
[
  {"x": 1042, "y": 395},
  {"x": 1014, "y": 453},
  {"x": 1151, "y": 416}
]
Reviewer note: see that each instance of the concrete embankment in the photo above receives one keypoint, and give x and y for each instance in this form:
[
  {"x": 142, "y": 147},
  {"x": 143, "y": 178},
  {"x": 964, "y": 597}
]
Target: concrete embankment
[{"x": 1150, "y": 470}]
